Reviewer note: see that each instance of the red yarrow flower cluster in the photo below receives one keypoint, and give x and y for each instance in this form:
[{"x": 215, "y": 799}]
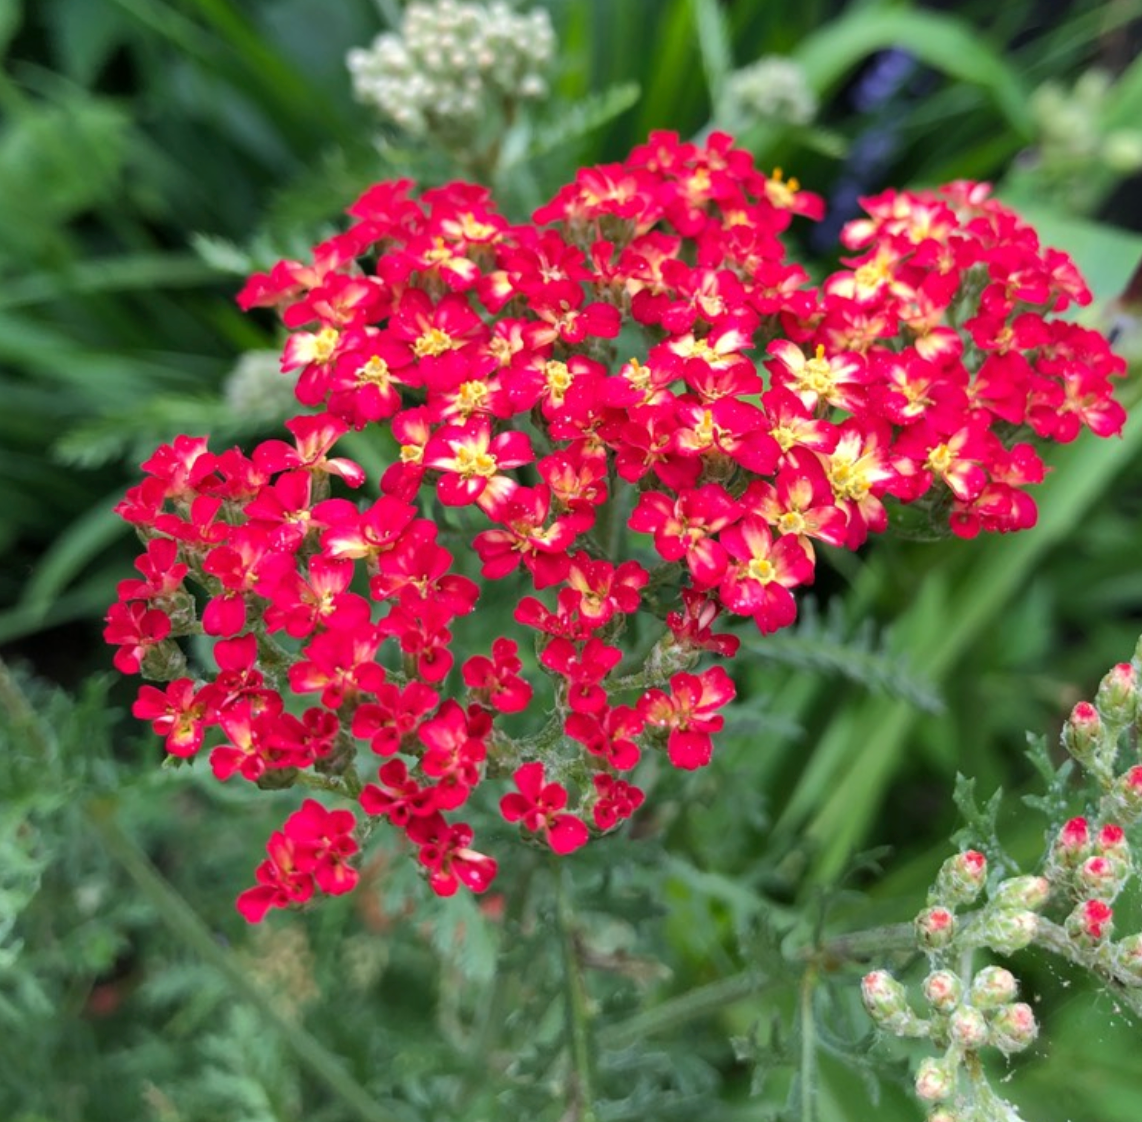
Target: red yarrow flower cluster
[{"x": 760, "y": 420}]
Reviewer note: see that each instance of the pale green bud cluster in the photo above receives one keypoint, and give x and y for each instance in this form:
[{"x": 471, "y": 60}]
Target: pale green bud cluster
[
  {"x": 452, "y": 64},
  {"x": 256, "y": 391},
  {"x": 1070, "y": 126},
  {"x": 773, "y": 89}
]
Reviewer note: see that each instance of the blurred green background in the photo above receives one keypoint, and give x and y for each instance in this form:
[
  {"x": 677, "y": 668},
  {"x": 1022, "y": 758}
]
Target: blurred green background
[{"x": 152, "y": 153}]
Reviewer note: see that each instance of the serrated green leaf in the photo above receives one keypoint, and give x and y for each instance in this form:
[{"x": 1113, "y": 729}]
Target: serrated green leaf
[
  {"x": 574, "y": 122},
  {"x": 825, "y": 645}
]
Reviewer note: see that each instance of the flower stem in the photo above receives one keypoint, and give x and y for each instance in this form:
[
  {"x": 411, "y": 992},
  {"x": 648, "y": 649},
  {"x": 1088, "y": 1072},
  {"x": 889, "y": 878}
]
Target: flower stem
[
  {"x": 575, "y": 989},
  {"x": 808, "y": 1047}
]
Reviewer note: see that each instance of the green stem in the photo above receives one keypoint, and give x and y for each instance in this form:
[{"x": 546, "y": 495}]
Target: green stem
[
  {"x": 575, "y": 989},
  {"x": 703, "y": 1001},
  {"x": 859, "y": 946},
  {"x": 808, "y": 1047}
]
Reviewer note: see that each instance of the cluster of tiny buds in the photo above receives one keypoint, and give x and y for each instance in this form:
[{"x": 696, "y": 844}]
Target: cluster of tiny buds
[
  {"x": 1087, "y": 864},
  {"x": 451, "y": 63},
  {"x": 773, "y": 89},
  {"x": 1071, "y": 134},
  {"x": 964, "y": 1017}
]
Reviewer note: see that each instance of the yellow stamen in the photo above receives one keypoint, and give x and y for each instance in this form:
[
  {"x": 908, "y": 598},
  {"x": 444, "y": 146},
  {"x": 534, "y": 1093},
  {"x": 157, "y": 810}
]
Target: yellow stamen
[{"x": 433, "y": 342}]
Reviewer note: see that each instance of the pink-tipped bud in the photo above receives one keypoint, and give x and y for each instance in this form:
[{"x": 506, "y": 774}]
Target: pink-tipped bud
[
  {"x": 1117, "y": 697},
  {"x": 1072, "y": 846},
  {"x": 1090, "y": 923},
  {"x": 1022, "y": 892},
  {"x": 1013, "y": 1027},
  {"x": 1082, "y": 733},
  {"x": 1006, "y": 930},
  {"x": 961, "y": 878},
  {"x": 992, "y": 987},
  {"x": 967, "y": 1027},
  {"x": 935, "y": 928},
  {"x": 935, "y": 1080},
  {"x": 886, "y": 1001},
  {"x": 943, "y": 990},
  {"x": 1111, "y": 842},
  {"x": 1127, "y": 796},
  {"x": 1101, "y": 876}
]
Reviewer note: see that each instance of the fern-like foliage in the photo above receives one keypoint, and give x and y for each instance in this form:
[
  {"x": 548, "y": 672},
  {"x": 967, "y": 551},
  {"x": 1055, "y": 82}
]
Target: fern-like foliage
[
  {"x": 825, "y": 643},
  {"x": 555, "y": 132}
]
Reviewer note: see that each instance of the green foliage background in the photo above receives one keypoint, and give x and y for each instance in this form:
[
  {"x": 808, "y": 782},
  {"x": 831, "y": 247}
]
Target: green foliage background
[{"x": 154, "y": 151}]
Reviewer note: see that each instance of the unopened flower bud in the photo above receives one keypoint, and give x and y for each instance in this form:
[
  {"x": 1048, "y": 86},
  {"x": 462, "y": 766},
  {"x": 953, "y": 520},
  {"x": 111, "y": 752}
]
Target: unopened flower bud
[
  {"x": 1091, "y": 922},
  {"x": 1072, "y": 846},
  {"x": 1117, "y": 697},
  {"x": 967, "y": 1027},
  {"x": 1013, "y": 1027},
  {"x": 1100, "y": 876},
  {"x": 887, "y": 1003},
  {"x": 992, "y": 987},
  {"x": 164, "y": 662},
  {"x": 1022, "y": 892},
  {"x": 935, "y": 1079},
  {"x": 961, "y": 878},
  {"x": 935, "y": 928},
  {"x": 1128, "y": 959},
  {"x": 1082, "y": 732},
  {"x": 943, "y": 990},
  {"x": 1127, "y": 795},
  {"x": 1006, "y": 930},
  {"x": 1111, "y": 842},
  {"x": 945, "y": 1114}
]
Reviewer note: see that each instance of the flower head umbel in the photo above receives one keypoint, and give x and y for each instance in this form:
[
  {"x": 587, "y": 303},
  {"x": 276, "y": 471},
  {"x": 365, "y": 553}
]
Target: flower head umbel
[{"x": 613, "y": 429}]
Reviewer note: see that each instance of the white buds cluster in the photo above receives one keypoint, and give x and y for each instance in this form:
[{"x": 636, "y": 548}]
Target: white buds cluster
[
  {"x": 451, "y": 64},
  {"x": 774, "y": 89}
]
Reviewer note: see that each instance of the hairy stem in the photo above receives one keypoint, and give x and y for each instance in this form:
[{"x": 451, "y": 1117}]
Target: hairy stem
[{"x": 575, "y": 990}]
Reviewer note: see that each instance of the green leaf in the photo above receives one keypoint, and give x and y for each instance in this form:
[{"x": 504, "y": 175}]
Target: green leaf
[
  {"x": 824, "y": 645},
  {"x": 714, "y": 43},
  {"x": 57, "y": 161},
  {"x": 71, "y": 554},
  {"x": 11, "y": 14},
  {"x": 574, "y": 122},
  {"x": 943, "y": 42}
]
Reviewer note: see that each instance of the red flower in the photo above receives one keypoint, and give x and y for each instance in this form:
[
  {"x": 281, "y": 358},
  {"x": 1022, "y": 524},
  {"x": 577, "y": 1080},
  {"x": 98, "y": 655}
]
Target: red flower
[
  {"x": 539, "y": 806},
  {"x": 688, "y": 712}
]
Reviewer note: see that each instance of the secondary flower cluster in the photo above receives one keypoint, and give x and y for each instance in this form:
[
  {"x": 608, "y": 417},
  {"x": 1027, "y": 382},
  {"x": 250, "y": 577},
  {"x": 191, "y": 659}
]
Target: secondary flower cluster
[
  {"x": 747, "y": 416},
  {"x": 1068, "y": 909}
]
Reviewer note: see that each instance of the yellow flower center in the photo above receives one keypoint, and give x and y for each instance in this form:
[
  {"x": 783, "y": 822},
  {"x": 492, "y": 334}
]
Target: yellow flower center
[
  {"x": 374, "y": 372},
  {"x": 470, "y": 462},
  {"x": 471, "y": 396},
  {"x": 433, "y": 342},
  {"x": 761, "y": 569},
  {"x": 816, "y": 376},
  {"x": 791, "y": 522},
  {"x": 501, "y": 350},
  {"x": 848, "y": 480},
  {"x": 411, "y": 453},
  {"x": 939, "y": 459},
  {"x": 780, "y": 191},
  {"x": 324, "y": 344},
  {"x": 558, "y": 377},
  {"x": 442, "y": 252}
]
